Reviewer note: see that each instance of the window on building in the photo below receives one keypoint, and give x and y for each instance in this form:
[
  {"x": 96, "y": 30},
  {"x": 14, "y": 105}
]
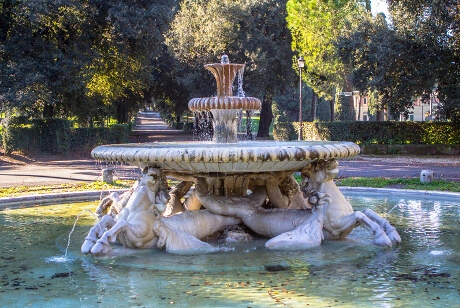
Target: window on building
[
  {"x": 411, "y": 117},
  {"x": 365, "y": 101},
  {"x": 365, "y": 118}
]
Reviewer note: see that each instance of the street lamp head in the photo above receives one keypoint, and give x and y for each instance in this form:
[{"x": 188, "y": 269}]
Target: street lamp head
[{"x": 301, "y": 62}]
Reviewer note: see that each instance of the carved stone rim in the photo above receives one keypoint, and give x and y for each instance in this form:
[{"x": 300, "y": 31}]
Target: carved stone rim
[
  {"x": 204, "y": 152},
  {"x": 226, "y": 102}
]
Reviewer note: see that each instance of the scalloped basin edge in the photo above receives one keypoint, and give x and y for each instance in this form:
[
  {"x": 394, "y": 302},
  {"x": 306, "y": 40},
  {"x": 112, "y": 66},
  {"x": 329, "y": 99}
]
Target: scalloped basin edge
[{"x": 242, "y": 157}]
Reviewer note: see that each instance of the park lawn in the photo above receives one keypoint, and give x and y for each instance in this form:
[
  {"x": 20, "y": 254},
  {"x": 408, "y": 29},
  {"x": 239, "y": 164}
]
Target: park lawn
[
  {"x": 400, "y": 183},
  {"x": 60, "y": 188}
]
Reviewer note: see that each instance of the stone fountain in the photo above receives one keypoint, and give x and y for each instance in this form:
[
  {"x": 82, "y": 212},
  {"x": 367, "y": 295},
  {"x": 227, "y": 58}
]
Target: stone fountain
[{"x": 226, "y": 185}]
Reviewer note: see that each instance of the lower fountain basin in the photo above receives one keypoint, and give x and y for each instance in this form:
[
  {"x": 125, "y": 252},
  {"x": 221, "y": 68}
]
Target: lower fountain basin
[
  {"x": 422, "y": 271},
  {"x": 235, "y": 158}
]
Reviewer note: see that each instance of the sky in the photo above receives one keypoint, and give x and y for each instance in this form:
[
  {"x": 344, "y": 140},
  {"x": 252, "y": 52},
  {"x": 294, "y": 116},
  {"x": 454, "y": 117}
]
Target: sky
[{"x": 378, "y": 6}]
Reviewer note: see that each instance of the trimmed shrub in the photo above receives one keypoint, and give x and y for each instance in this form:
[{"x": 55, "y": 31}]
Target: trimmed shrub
[
  {"x": 88, "y": 138},
  {"x": 441, "y": 133},
  {"x": 16, "y": 138},
  {"x": 285, "y": 130},
  {"x": 54, "y": 135},
  {"x": 17, "y": 134},
  {"x": 188, "y": 127},
  {"x": 387, "y": 132}
]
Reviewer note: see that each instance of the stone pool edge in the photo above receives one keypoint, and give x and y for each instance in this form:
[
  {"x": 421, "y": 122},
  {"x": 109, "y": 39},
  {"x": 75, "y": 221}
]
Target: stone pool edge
[
  {"x": 395, "y": 191},
  {"x": 53, "y": 198},
  {"x": 47, "y": 199}
]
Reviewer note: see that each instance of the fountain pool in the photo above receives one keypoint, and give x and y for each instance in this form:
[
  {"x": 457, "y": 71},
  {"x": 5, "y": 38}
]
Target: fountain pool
[{"x": 421, "y": 271}]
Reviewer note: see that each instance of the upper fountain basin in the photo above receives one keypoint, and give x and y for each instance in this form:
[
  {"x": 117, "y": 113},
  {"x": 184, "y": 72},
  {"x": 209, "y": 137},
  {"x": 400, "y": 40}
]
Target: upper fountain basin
[
  {"x": 226, "y": 102},
  {"x": 205, "y": 157}
]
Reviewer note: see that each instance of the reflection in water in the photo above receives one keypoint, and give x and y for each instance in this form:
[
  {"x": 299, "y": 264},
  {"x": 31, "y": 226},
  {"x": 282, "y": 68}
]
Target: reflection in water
[{"x": 422, "y": 271}]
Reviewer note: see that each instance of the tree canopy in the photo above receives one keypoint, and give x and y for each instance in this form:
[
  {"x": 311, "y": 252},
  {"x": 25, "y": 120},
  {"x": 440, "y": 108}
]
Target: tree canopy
[
  {"x": 91, "y": 58},
  {"x": 74, "y": 56},
  {"x": 316, "y": 26},
  {"x": 248, "y": 31},
  {"x": 411, "y": 56}
]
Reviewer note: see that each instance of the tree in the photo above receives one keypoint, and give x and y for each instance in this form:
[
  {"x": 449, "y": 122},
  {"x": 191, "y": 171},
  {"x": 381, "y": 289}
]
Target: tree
[
  {"x": 316, "y": 26},
  {"x": 81, "y": 58},
  {"x": 405, "y": 60},
  {"x": 435, "y": 24},
  {"x": 384, "y": 63},
  {"x": 132, "y": 40},
  {"x": 250, "y": 31},
  {"x": 44, "y": 47}
]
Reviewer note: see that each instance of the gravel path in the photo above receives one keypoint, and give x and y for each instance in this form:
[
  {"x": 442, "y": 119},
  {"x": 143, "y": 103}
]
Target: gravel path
[{"x": 445, "y": 167}]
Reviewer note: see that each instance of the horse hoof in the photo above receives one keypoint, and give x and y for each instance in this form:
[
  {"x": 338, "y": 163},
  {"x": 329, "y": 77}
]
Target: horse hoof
[
  {"x": 86, "y": 247},
  {"x": 383, "y": 240},
  {"x": 394, "y": 236},
  {"x": 100, "y": 248}
]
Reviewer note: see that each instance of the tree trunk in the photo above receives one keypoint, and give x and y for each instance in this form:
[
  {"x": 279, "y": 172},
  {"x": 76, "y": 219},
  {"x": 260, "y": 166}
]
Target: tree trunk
[
  {"x": 266, "y": 117},
  {"x": 331, "y": 104},
  {"x": 48, "y": 111},
  {"x": 359, "y": 107},
  {"x": 178, "y": 118},
  {"x": 314, "y": 101},
  {"x": 352, "y": 112},
  {"x": 122, "y": 114}
]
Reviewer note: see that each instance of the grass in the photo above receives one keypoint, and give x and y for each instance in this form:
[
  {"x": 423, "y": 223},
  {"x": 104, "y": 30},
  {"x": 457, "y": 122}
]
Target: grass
[
  {"x": 402, "y": 183},
  {"x": 57, "y": 188}
]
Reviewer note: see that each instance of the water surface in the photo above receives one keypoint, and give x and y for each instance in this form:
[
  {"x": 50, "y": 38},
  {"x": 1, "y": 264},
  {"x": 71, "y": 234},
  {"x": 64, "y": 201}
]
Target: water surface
[{"x": 422, "y": 271}]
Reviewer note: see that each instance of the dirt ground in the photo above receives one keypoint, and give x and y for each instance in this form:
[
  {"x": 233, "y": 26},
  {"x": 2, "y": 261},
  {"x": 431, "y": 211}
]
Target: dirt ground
[{"x": 40, "y": 169}]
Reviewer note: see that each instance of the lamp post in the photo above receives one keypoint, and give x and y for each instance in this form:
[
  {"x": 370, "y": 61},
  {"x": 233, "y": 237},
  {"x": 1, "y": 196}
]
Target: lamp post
[{"x": 301, "y": 65}]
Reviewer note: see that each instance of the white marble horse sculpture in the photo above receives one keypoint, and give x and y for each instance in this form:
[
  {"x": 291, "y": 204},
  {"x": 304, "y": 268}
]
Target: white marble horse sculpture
[
  {"x": 135, "y": 220},
  {"x": 332, "y": 218},
  {"x": 333, "y": 212},
  {"x": 132, "y": 216}
]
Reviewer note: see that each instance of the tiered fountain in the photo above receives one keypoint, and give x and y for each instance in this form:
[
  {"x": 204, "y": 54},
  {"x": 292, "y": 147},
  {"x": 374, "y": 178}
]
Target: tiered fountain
[{"x": 248, "y": 183}]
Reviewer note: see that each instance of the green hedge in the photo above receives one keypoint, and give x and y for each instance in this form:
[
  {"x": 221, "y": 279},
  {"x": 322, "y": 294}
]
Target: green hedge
[
  {"x": 56, "y": 136},
  {"x": 387, "y": 132},
  {"x": 52, "y": 135},
  {"x": 88, "y": 138},
  {"x": 17, "y": 134},
  {"x": 18, "y": 139},
  {"x": 284, "y": 131}
]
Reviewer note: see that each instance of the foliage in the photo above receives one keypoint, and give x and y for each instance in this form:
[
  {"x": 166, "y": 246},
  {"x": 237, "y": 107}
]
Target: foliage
[
  {"x": 400, "y": 183},
  {"x": 441, "y": 133},
  {"x": 80, "y": 58},
  {"x": 87, "y": 60},
  {"x": 284, "y": 131},
  {"x": 316, "y": 27},
  {"x": 409, "y": 57},
  {"x": 55, "y": 136},
  {"x": 52, "y": 47},
  {"x": 84, "y": 139},
  {"x": 384, "y": 132},
  {"x": 250, "y": 31},
  {"x": 16, "y": 138},
  {"x": 386, "y": 66}
]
